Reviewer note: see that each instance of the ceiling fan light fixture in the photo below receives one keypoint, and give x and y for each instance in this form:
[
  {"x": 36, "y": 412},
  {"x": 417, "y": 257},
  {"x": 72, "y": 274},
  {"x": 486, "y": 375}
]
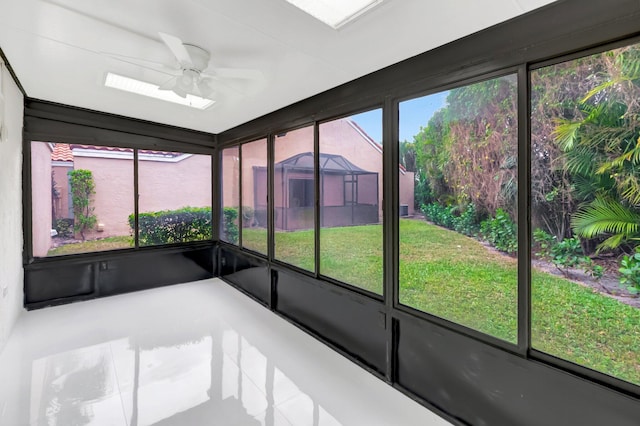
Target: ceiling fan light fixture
[{"x": 144, "y": 88}]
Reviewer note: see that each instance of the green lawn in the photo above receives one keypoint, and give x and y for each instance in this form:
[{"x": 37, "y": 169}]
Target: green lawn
[
  {"x": 110, "y": 243},
  {"x": 350, "y": 254},
  {"x": 459, "y": 279}
]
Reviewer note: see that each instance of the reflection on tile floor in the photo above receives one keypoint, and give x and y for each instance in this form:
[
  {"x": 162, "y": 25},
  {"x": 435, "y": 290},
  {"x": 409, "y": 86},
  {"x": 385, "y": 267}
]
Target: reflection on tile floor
[{"x": 194, "y": 354}]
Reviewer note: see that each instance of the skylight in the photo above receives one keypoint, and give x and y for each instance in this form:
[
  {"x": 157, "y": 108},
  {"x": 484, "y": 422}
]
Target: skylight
[
  {"x": 153, "y": 91},
  {"x": 335, "y": 13}
]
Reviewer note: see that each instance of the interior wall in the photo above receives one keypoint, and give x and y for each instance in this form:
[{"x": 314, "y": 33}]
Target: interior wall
[{"x": 11, "y": 271}]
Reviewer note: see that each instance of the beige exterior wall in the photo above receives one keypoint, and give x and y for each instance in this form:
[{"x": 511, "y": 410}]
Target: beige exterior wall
[
  {"x": 254, "y": 154},
  {"x": 113, "y": 200},
  {"x": 170, "y": 186},
  {"x": 230, "y": 177},
  {"x": 162, "y": 186},
  {"x": 41, "y": 198}
]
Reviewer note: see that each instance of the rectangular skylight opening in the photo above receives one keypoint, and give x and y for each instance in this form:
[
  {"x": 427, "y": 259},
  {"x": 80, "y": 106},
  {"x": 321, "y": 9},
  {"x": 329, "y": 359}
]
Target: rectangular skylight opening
[
  {"x": 335, "y": 13},
  {"x": 150, "y": 90}
]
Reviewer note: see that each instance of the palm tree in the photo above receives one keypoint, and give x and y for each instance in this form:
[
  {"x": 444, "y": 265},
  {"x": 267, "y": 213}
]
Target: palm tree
[{"x": 602, "y": 152}]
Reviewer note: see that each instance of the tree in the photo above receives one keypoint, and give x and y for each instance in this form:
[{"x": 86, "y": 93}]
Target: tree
[
  {"x": 602, "y": 151},
  {"x": 82, "y": 189}
]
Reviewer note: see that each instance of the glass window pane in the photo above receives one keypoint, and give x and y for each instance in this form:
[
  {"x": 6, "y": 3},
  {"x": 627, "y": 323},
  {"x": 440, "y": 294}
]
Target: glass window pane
[
  {"x": 174, "y": 197},
  {"x": 351, "y": 200},
  {"x": 82, "y": 197},
  {"x": 230, "y": 178},
  {"x": 585, "y": 195},
  {"x": 294, "y": 195},
  {"x": 254, "y": 196},
  {"x": 458, "y": 193}
]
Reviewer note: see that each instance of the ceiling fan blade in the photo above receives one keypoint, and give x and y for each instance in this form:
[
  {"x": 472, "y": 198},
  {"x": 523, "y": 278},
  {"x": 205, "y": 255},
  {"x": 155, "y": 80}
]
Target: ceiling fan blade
[
  {"x": 169, "y": 84},
  {"x": 177, "y": 48},
  {"x": 220, "y": 87},
  {"x": 150, "y": 65},
  {"x": 205, "y": 90},
  {"x": 239, "y": 73}
]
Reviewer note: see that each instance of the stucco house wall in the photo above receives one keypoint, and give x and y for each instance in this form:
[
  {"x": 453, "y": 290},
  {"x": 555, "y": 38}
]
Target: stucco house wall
[
  {"x": 168, "y": 186},
  {"x": 113, "y": 200}
]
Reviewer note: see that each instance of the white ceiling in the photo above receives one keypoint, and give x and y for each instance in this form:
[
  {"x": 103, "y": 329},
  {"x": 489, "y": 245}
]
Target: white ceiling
[{"x": 54, "y": 47}]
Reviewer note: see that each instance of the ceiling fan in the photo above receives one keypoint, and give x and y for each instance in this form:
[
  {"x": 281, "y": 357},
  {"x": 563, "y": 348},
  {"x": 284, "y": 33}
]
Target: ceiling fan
[{"x": 189, "y": 76}]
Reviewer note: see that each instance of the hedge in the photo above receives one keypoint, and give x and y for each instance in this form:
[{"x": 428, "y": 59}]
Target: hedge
[{"x": 173, "y": 226}]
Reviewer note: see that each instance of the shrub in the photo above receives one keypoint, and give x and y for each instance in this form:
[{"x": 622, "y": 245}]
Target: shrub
[
  {"x": 438, "y": 214},
  {"x": 630, "y": 272},
  {"x": 500, "y": 232},
  {"x": 565, "y": 254},
  {"x": 467, "y": 222},
  {"x": 173, "y": 226},
  {"x": 544, "y": 242},
  {"x": 64, "y": 228},
  {"x": 422, "y": 191},
  {"x": 82, "y": 188},
  {"x": 229, "y": 225}
]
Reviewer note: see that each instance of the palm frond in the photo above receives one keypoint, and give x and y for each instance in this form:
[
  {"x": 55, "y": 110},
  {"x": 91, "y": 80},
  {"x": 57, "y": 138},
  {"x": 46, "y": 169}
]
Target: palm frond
[
  {"x": 604, "y": 216},
  {"x": 632, "y": 156},
  {"x": 599, "y": 88},
  {"x": 565, "y": 133}
]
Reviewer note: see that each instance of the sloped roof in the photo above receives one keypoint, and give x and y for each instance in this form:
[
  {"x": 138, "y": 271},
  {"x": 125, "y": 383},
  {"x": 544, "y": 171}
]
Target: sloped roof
[
  {"x": 62, "y": 152},
  {"x": 328, "y": 163}
]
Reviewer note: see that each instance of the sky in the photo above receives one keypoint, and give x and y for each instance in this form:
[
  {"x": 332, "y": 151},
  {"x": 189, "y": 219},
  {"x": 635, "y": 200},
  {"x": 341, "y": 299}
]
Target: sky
[{"x": 414, "y": 113}]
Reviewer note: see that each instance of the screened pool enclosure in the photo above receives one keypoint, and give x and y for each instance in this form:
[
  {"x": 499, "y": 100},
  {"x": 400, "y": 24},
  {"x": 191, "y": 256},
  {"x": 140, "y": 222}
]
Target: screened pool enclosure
[{"x": 348, "y": 193}]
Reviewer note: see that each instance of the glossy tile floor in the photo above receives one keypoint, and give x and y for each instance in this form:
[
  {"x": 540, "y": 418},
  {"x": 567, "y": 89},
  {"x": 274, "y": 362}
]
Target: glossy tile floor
[{"x": 193, "y": 354}]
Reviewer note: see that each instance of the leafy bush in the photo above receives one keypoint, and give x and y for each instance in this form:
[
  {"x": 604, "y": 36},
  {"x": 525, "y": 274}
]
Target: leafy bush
[
  {"x": 229, "y": 225},
  {"x": 64, "y": 228},
  {"x": 500, "y": 232},
  {"x": 630, "y": 270},
  {"x": 440, "y": 215},
  {"x": 565, "y": 254},
  {"x": 422, "y": 191},
  {"x": 544, "y": 242},
  {"x": 467, "y": 222},
  {"x": 173, "y": 226},
  {"x": 82, "y": 188}
]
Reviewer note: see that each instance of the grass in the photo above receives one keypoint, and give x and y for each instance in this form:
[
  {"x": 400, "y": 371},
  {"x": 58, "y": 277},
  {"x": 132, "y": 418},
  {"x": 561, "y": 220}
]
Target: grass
[
  {"x": 457, "y": 278},
  {"x": 109, "y": 243},
  {"x": 349, "y": 254}
]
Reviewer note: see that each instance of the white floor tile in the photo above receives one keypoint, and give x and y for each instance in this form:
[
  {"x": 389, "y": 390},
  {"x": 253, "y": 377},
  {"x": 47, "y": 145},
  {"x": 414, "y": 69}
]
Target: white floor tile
[{"x": 193, "y": 354}]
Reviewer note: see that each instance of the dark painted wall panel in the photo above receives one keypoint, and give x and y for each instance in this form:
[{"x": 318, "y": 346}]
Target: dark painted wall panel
[
  {"x": 54, "y": 282},
  {"x": 247, "y": 272},
  {"x": 142, "y": 272},
  {"x": 65, "y": 280},
  {"x": 344, "y": 318},
  {"x": 483, "y": 385}
]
